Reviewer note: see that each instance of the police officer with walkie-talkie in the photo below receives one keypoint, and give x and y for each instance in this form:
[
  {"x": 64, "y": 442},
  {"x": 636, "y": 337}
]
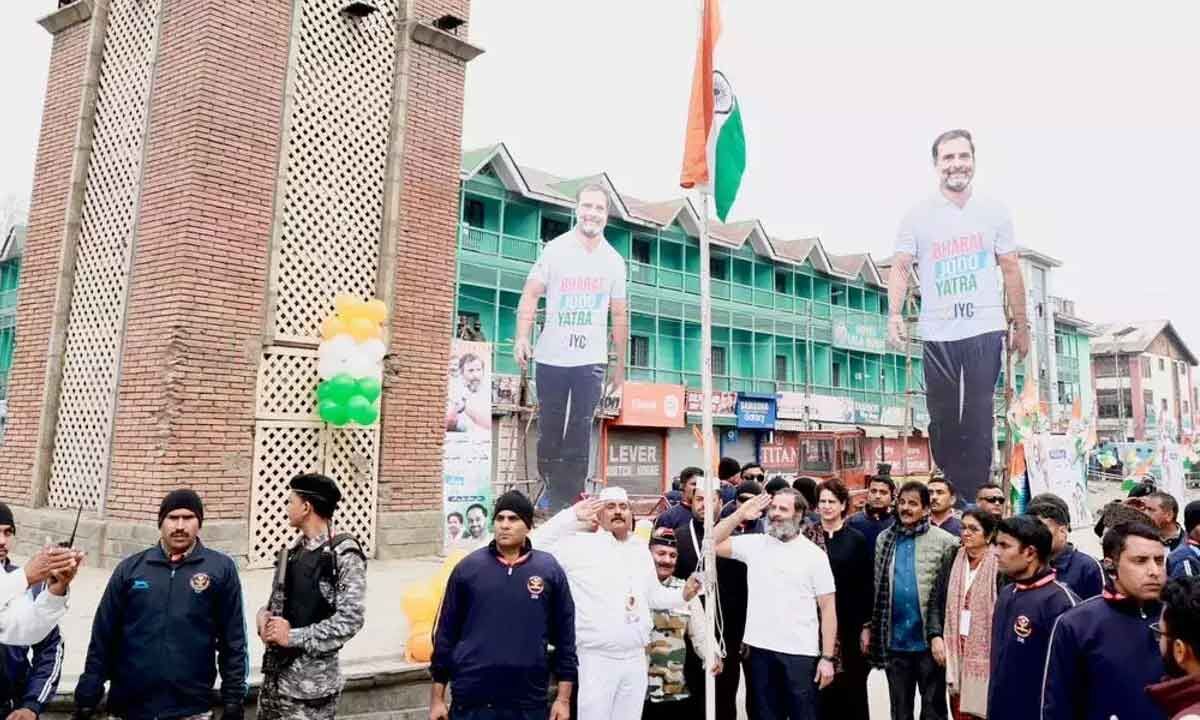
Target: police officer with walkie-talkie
[{"x": 317, "y": 604}]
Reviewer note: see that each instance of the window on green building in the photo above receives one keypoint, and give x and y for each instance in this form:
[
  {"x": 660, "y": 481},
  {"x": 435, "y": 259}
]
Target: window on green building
[
  {"x": 473, "y": 212},
  {"x": 718, "y": 360},
  {"x": 639, "y": 351},
  {"x": 553, "y": 227},
  {"x": 641, "y": 251},
  {"x": 718, "y": 267},
  {"x": 781, "y": 368},
  {"x": 782, "y": 282}
]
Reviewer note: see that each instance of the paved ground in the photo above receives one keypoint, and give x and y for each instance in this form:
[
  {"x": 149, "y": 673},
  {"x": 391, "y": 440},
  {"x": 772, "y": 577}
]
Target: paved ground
[{"x": 382, "y": 640}]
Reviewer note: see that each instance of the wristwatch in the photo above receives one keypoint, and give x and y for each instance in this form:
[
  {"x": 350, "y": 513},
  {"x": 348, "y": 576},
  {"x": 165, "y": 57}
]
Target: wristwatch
[{"x": 827, "y": 657}]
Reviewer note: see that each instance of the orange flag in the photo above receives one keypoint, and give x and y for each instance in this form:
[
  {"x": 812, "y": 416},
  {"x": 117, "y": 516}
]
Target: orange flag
[
  {"x": 700, "y": 110},
  {"x": 698, "y": 433},
  {"x": 1016, "y": 464}
]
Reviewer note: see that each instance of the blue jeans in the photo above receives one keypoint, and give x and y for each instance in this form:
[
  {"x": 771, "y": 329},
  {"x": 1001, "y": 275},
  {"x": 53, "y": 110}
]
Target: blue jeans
[
  {"x": 567, "y": 399},
  {"x": 960, "y": 435},
  {"x": 783, "y": 685}
]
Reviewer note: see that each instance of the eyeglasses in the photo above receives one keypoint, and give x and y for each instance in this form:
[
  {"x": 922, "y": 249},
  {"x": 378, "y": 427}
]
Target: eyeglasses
[
  {"x": 992, "y": 498},
  {"x": 752, "y": 476},
  {"x": 1157, "y": 629}
]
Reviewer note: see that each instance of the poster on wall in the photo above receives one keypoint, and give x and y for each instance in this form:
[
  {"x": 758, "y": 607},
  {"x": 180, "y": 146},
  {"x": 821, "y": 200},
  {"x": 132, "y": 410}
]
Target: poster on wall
[
  {"x": 1054, "y": 466},
  {"x": 1173, "y": 475},
  {"x": 467, "y": 450}
]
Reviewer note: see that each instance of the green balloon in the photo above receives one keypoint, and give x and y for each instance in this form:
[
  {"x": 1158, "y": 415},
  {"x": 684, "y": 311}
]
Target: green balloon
[
  {"x": 361, "y": 410},
  {"x": 333, "y": 412},
  {"x": 370, "y": 388},
  {"x": 342, "y": 387},
  {"x": 323, "y": 390}
]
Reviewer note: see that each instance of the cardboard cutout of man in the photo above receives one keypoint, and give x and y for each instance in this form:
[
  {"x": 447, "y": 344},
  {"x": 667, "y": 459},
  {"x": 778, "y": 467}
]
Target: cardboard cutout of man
[
  {"x": 957, "y": 239},
  {"x": 583, "y": 280}
]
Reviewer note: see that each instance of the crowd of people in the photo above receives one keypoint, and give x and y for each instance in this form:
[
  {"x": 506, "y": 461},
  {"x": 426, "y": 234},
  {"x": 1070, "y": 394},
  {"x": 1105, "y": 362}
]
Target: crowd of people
[{"x": 969, "y": 612}]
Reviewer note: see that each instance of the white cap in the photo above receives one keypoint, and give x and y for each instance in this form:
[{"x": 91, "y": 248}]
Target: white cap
[{"x": 612, "y": 493}]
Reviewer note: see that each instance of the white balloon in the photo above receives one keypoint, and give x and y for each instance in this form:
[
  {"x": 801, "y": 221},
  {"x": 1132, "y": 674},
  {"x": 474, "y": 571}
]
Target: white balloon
[
  {"x": 373, "y": 349},
  {"x": 326, "y": 367},
  {"x": 359, "y": 365}
]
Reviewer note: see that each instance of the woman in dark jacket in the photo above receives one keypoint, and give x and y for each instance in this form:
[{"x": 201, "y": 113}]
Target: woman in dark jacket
[{"x": 853, "y": 573}]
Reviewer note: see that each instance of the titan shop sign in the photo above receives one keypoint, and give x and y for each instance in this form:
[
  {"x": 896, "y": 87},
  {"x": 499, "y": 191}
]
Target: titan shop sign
[{"x": 781, "y": 453}]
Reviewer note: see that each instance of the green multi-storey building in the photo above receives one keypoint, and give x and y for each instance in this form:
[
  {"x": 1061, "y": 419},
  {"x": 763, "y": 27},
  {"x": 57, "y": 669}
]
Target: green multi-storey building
[{"x": 788, "y": 316}]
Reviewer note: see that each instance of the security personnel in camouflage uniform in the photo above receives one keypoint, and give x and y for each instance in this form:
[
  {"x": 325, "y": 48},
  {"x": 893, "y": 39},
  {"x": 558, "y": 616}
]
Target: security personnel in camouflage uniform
[
  {"x": 675, "y": 663},
  {"x": 323, "y": 606}
]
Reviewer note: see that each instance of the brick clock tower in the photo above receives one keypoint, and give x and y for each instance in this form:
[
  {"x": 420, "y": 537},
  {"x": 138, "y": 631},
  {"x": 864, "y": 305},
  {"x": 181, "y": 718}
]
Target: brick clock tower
[{"x": 209, "y": 176}]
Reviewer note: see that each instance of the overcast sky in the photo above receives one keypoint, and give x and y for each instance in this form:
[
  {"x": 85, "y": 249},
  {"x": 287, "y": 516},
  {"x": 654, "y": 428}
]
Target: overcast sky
[{"x": 1086, "y": 118}]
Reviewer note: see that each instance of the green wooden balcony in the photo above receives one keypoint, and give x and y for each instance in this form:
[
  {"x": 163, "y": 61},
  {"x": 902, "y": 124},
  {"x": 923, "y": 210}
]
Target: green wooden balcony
[{"x": 491, "y": 242}]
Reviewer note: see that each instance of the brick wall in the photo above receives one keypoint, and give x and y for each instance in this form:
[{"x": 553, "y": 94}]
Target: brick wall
[
  {"x": 185, "y": 411},
  {"x": 411, "y": 458},
  {"x": 41, "y": 263}
]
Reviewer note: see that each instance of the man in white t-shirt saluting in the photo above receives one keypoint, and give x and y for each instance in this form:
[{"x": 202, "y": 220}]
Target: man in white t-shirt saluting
[
  {"x": 791, "y": 623},
  {"x": 583, "y": 279},
  {"x": 958, "y": 239}
]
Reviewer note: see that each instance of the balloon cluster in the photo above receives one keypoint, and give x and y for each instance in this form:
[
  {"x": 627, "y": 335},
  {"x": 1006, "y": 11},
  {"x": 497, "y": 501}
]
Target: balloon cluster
[
  {"x": 420, "y": 602},
  {"x": 350, "y": 362}
]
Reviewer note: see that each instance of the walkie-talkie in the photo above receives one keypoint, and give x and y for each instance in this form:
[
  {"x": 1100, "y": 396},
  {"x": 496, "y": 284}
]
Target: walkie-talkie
[{"x": 71, "y": 542}]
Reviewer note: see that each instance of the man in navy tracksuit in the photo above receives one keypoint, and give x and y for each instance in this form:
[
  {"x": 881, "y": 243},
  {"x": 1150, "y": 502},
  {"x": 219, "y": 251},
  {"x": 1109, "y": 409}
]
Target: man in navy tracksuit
[
  {"x": 503, "y": 605},
  {"x": 164, "y": 615},
  {"x": 27, "y": 686},
  {"x": 1103, "y": 653},
  {"x": 1184, "y": 561},
  {"x": 1025, "y": 612},
  {"x": 1076, "y": 569}
]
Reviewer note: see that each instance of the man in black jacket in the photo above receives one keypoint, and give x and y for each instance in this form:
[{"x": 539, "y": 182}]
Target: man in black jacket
[{"x": 164, "y": 615}]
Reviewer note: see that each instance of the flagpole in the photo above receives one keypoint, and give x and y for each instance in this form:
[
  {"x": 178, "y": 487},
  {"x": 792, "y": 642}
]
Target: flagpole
[{"x": 710, "y": 479}]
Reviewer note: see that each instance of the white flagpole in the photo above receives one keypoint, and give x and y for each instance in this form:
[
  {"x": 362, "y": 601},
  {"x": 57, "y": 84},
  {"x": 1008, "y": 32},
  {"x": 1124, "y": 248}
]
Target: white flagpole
[{"x": 710, "y": 479}]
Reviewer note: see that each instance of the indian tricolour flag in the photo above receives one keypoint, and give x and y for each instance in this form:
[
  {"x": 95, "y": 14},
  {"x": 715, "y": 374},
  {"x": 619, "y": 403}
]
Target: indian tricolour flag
[{"x": 714, "y": 154}]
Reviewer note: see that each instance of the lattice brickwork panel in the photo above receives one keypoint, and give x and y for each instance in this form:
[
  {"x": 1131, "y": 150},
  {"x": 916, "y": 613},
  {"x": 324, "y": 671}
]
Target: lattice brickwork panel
[
  {"x": 281, "y": 451},
  {"x": 351, "y": 460},
  {"x": 82, "y": 439},
  {"x": 287, "y": 378},
  {"x": 340, "y": 93}
]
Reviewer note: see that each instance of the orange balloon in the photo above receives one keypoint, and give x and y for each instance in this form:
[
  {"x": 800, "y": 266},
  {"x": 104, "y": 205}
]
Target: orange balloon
[
  {"x": 420, "y": 644},
  {"x": 362, "y": 329},
  {"x": 375, "y": 311},
  {"x": 333, "y": 326},
  {"x": 420, "y": 602}
]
